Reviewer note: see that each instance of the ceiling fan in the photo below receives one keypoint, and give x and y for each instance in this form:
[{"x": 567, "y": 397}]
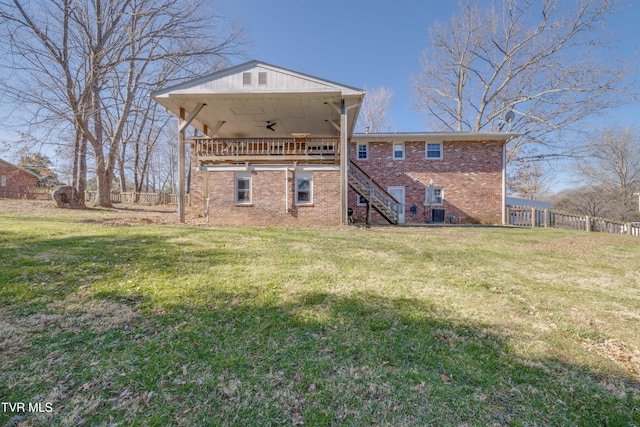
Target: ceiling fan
[{"x": 269, "y": 126}]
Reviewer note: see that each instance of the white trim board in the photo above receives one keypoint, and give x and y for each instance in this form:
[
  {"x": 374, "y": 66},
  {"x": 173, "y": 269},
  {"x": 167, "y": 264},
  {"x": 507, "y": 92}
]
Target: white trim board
[{"x": 238, "y": 168}]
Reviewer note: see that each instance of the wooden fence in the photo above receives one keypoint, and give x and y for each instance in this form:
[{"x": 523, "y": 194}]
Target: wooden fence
[
  {"x": 6, "y": 193},
  {"x": 524, "y": 216},
  {"x": 140, "y": 198}
]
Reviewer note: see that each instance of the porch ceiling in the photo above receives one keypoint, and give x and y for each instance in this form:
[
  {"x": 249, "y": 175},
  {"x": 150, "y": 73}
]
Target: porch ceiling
[
  {"x": 243, "y": 100},
  {"x": 247, "y": 115}
]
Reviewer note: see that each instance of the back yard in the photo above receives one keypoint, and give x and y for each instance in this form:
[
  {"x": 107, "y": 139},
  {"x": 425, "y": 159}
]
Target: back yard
[{"x": 126, "y": 319}]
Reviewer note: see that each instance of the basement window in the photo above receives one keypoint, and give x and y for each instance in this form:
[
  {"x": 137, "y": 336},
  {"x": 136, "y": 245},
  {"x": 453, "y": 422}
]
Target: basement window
[
  {"x": 304, "y": 188},
  {"x": 361, "y": 200},
  {"x": 243, "y": 188}
]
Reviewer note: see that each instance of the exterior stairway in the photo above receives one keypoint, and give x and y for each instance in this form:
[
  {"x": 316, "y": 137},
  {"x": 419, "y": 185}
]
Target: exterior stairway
[{"x": 376, "y": 196}]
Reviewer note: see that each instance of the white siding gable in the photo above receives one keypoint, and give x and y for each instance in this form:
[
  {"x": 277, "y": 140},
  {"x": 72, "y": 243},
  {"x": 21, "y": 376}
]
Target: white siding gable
[{"x": 256, "y": 77}]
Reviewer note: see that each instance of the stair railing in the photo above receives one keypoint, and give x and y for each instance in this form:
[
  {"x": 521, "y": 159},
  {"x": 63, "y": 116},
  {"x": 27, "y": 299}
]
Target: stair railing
[{"x": 380, "y": 199}]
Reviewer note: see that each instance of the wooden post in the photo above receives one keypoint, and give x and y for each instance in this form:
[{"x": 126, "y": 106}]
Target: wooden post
[
  {"x": 587, "y": 223},
  {"x": 629, "y": 229},
  {"x": 546, "y": 217},
  {"x": 507, "y": 215},
  {"x": 344, "y": 164},
  {"x": 533, "y": 218},
  {"x": 181, "y": 160}
]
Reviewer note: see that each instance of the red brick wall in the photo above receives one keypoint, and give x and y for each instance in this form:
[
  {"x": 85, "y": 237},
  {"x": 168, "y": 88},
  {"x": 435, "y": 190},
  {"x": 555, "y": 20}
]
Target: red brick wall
[
  {"x": 17, "y": 179},
  {"x": 470, "y": 174},
  {"x": 269, "y": 199}
]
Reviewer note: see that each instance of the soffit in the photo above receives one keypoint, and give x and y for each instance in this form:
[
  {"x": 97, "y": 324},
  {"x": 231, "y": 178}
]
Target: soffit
[{"x": 241, "y": 107}]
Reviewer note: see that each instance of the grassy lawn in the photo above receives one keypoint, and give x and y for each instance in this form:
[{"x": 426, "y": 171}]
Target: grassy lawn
[{"x": 137, "y": 324}]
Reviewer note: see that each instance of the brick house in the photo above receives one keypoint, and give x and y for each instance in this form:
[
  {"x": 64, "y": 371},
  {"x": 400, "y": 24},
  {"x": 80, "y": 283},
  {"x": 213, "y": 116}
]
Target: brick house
[
  {"x": 449, "y": 177},
  {"x": 274, "y": 146},
  {"x": 16, "y": 182}
]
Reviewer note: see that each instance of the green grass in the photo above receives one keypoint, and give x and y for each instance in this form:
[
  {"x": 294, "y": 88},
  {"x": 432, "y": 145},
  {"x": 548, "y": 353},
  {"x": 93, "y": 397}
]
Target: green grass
[{"x": 186, "y": 325}]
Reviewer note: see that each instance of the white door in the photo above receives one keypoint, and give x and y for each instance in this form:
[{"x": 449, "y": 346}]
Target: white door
[{"x": 398, "y": 194}]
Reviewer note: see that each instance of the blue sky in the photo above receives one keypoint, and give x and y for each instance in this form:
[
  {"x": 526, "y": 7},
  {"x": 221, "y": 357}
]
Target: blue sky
[{"x": 368, "y": 44}]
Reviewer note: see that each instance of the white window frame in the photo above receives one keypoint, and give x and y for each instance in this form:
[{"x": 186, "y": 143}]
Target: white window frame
[
  {"x": 243, "y": 176},
  {"x": 3, "y": 180},
  {"x": 393, "y": 150},
  {"x": 304, "y": 176},
  {"x": 426, "y": 150},
  {"x": 360, "y": 201},
  {"x": 438, "y": 200},
  {"x": 366, "y": 151}
]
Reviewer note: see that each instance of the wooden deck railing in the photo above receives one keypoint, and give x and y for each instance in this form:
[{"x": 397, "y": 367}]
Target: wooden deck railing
[
  {"x": 525, "y": 216},
  {"x": 223, "y": 147}
]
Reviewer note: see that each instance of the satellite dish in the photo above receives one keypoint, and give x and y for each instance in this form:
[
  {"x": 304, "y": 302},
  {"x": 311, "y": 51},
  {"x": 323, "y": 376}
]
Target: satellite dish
[{"x": 509, "y": 116}]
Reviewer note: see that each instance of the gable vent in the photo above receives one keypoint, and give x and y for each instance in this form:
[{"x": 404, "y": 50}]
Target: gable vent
[
  {"x": 246, "y": 78},
  {"x": 262, "y": 78}
]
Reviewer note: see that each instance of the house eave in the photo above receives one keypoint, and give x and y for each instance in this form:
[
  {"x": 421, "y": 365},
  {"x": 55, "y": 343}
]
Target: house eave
[{"x": 437, "y": 136}]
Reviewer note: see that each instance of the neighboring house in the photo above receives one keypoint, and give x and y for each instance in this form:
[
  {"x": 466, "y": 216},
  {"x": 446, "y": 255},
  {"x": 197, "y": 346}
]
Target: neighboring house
[
  {"x": 277, "y": 147},
  {"x": 15, "y": 182}
]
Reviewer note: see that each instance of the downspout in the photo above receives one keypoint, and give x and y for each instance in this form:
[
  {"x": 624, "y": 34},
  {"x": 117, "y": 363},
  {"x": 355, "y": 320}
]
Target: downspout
[
  {"x": 286, "y": 189},
  {"x": 504, "y": 183}
]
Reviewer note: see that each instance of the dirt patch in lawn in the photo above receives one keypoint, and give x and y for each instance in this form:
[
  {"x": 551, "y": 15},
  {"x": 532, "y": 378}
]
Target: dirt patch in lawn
[{"x": 119, "y": 215}]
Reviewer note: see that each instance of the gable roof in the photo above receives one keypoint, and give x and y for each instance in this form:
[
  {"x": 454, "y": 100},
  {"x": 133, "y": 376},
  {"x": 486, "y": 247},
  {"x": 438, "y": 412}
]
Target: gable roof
[
  {"x": 242, "y": 100},
  {"x": 279, "y": 80},
  {"x": 18, "y": 167}
]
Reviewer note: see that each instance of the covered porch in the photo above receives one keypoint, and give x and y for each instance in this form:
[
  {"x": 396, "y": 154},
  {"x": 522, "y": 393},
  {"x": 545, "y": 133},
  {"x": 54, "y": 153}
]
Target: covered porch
[{"x": 256, "y": 113}]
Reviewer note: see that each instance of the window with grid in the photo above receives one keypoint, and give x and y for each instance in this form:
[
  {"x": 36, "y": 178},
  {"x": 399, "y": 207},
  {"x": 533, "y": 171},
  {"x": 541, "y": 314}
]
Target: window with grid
[
  {"x": 435, "y": 196},
  {"x": 434, "y": 151},
  {"x": 363, "y": 151}
]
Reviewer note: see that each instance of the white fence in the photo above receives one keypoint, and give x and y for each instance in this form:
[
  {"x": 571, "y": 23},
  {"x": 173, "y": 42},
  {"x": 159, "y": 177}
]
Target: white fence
[{"x": 525, "y": 216}]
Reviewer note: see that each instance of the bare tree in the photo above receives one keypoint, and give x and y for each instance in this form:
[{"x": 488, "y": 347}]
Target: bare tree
[
  {"x": 375, "y": 109},
  {"x": 544, "y": 60},
  {"x": 527, "y": 179},
  {"x": 612, "y": 163},
  {"x": 85, "y": 62},
  {"x": 588, "y": 200}
]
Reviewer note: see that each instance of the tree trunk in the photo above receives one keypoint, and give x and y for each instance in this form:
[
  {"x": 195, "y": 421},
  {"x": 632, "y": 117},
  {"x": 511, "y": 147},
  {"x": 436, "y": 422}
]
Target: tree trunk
[
  {"x": 123, "y": 179},
  {"x": 79, "y": 178},
  {"x": 82, "y": 167},
  {"x": 103, "y": 198}
]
